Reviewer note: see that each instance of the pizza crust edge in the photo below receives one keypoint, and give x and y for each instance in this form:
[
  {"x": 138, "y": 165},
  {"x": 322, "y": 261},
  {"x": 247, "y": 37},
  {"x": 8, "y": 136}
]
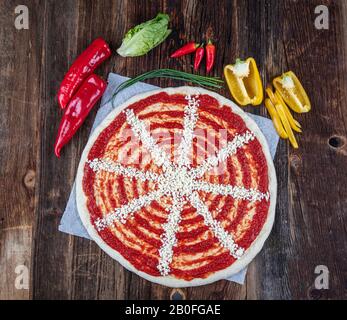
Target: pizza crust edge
[{"x": 170, "y": 281}]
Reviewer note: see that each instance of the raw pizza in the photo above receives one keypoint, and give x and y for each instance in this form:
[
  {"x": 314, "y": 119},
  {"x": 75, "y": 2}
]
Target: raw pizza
[{"x": 178, "y": 185}]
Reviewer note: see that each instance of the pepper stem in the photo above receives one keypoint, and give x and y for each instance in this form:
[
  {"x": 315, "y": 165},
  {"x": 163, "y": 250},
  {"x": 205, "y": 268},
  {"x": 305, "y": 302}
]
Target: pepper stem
[{"x": 241, "y": 68}]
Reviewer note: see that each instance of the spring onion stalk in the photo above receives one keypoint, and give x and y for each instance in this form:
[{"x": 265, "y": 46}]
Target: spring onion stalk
[{"x": 206, "y": 82}]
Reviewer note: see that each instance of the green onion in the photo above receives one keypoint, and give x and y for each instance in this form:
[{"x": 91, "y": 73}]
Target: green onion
[{"x": 206, "y": 82}]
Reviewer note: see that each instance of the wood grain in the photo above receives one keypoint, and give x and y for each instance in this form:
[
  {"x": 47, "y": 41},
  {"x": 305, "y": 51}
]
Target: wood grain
[
  {"x": 310, "y": 226},
  {"x": 20, "y": 56}
]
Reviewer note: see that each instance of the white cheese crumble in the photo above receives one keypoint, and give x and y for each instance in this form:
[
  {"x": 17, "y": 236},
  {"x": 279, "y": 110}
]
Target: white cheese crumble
[
  {"x": 231, "y": 148},
  {"x": 234, "y": 191},
  {"x": 122, "y": 213},
  {"x": 225, "y": 239},
  {"x": 159, "y": 156},
  {"x": 189, "y": 122},
  {"x": 111, "y": 166},
  {"x": 168, "y": 238},
  {"x": 179, "y": 181}
]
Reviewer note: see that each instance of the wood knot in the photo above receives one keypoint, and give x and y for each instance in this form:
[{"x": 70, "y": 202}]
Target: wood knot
[
  {"x": 29, "y": 179},
  {"x": 177, "y": 294},
  {"x": 314, "y": 294},
  {"x": 295, "y": 162},
  {"x": 336, "y": 142}
]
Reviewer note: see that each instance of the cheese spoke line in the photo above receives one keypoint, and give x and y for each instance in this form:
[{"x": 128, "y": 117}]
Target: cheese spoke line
[
  {"x": 229, "y": 190},
  {"x": 231, "y": 148},
  {"x": 168, "y": 238},
  {"x": 225, "y": 239},
  {"x": 178, "y": 181},
  {"x": 122, "y": 213},
  {"x": 159, "y": 156},
  {"x": 111, "y": 166},
  {"x": 189, "y": 122}
]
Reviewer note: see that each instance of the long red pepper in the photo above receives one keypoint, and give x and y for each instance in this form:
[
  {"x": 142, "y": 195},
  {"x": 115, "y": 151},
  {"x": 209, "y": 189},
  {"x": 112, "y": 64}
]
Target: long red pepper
[
  {"x": 199, "y": 54},
  {"x": 78, "y": 108},
  {"x": 186, "y": 49},
  {"x": 210, "y": 55},
  {"x": 81, "y": 68}
]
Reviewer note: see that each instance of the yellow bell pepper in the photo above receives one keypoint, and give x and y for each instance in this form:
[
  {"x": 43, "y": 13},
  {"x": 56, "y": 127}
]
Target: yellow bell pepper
[
  {"x": 280, "y": 110},
  {"x": 292, "y": 92},
  {"x": 244, "y": 82},
  {"x": 293, "y": 123},
  {"x": 271, "y": 94},
  {"x": 277, "y": 99},
  {"x": 275, "y": 119}
]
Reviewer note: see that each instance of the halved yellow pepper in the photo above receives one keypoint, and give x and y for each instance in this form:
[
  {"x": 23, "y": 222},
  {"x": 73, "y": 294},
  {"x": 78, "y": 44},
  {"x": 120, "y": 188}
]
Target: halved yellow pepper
[
  {"x": 275, "y": 119},
  {"x": 280, "y": 110},
  {"x": 244, "y": 82},
  {"x": 293, "y": 123},
  {"x": 292, "y": 92}
]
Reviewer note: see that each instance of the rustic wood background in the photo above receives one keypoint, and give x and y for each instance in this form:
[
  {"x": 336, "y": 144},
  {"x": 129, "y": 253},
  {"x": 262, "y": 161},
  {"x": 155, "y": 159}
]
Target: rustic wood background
[{"x": 310, "y": 227}]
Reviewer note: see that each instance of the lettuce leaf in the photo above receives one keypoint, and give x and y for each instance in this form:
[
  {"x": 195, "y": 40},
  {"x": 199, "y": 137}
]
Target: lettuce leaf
[{"x": 145, "y": 36}]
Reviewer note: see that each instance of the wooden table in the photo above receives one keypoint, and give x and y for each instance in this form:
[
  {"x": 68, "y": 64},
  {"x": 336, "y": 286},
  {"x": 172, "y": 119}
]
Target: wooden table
[{"x": 310, "y": 227}]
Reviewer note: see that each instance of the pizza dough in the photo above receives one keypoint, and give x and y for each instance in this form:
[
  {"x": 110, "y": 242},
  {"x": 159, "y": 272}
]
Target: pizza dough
[{"x": 178, "y": 186}]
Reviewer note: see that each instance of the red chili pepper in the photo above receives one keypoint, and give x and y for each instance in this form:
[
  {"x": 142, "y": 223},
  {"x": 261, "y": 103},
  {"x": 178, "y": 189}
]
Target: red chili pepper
[
  {"x": 199, "y": 54},
  {"x": 78, "y": 108},
  {"x": 186, "y": 49},
  {"x": 210, "y": 55},
  {"x": 82, "y": 67}
]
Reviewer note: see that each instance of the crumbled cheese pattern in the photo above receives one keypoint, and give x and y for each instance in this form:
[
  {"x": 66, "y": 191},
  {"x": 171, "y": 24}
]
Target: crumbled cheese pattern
[
  {"x": 234, "y": 191},
  {"x": 114, "y": 167},
  {"x": 168, "y": 238},
  {"x": 159, "y": 156},
  {"x": 225, "y": 239},
  {"x": 178, "y": 181},
  {"x": 122, "y": 213},
  {"x": 189, "y": 122},
  {"x": 231, "y": 148}
]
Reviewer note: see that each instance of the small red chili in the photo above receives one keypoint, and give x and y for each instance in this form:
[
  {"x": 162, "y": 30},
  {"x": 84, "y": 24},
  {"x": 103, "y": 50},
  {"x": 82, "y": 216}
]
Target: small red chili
[
  {"x": 210, "y": 55},
  {"x": 78, "y": 108},
  {"x": 199, "y": 54},
  {"x": 186, "y": 49},
  {"x": 82, "y": 67}
]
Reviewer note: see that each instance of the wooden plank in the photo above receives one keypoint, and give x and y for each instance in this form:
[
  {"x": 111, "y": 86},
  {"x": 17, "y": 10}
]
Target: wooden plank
[
  {"x": 52, "y": 264},
  {"x": 317, "y": 207},
  {"x": 15, "y": 262},
  {"x": 19, "y": 124},
  {"x": 95, "y": 275},
  {"x": 266, "y": 277}
]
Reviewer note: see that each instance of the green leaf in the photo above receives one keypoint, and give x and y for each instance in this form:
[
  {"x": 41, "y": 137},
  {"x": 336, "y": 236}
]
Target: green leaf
[{"x": 145, "y": 36}]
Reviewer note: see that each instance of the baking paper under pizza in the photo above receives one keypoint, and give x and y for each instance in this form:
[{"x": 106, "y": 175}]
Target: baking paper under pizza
[{"x": 178, "y": 186}]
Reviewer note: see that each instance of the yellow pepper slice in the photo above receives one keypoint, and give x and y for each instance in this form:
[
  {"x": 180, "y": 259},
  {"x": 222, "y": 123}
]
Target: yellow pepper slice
[
  {"x": 292, "y": 92},
  {"x": 271, "y": 94},
  {"x": 285, "y": 122},
  {"x": 277, "y": 99},
  {"x": 293, "y": 123},
  {"x": 275, "y": 119},
  {"x": 244, "y": 82}
]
